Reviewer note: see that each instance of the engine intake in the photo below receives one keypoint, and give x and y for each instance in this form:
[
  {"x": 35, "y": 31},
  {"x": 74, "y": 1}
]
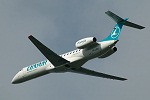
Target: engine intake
[{"x": 86, "y": 42}]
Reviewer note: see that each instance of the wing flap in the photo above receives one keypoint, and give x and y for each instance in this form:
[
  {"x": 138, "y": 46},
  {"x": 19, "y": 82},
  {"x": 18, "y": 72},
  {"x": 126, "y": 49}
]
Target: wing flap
[
  {"x": 85, "y": 71},
  {"x": 55, "y": 59}
]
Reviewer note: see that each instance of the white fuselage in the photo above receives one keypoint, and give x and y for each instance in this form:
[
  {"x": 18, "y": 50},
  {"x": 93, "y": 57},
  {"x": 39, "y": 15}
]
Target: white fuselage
[{"x": 76, "y": 58}]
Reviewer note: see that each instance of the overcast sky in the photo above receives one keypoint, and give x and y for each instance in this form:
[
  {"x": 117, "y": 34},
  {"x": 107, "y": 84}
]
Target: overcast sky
[{"x": 59, "y": 24}]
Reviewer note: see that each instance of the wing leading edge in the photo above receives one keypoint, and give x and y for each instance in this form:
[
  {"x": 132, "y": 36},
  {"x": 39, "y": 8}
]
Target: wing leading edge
[
  {"x": 55, "y": 59},
  {"x": 85, "y": 71}
]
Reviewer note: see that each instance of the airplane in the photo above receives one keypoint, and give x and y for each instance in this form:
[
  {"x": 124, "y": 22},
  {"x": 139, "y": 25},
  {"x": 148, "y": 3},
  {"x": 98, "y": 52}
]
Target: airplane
[{"x": 87, "y": 49}]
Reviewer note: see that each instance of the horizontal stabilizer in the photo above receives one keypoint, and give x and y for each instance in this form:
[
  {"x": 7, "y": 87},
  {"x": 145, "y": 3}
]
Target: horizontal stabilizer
[
  {"x": 114, "y": 17},
  {"x": 130, "y": 24},
  {"x": 118, "y": 20}
]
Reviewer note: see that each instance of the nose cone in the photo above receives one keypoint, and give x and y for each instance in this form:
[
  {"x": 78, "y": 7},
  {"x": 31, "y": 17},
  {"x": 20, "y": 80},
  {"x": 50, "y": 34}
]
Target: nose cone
[
  {"x": 14, "y": 80},
  {"x": 17, "y": 78}
]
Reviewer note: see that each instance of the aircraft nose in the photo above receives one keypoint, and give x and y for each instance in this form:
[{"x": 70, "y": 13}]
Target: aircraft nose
[
  {"x": 14, "y": 80},
  {"x": 17, "y": 78}
]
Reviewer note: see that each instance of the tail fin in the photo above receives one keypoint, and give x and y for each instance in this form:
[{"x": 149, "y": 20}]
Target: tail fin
[{"x": 117, "y": 29}]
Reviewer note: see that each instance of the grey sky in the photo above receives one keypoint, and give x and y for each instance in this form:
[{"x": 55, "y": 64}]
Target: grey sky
[{"x": 59, "y": 24}]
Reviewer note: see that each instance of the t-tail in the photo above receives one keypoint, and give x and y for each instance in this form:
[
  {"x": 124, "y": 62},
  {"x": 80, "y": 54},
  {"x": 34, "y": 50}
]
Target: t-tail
[{"x": 117, "y": 29}]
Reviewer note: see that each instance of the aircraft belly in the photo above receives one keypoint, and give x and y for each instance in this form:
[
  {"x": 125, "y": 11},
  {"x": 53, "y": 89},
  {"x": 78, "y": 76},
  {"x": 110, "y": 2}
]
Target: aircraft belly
[
  {"x": 70, "y": 66},
  {"x": 78, "y": 63},
  {"x": 35, "y": 75}
]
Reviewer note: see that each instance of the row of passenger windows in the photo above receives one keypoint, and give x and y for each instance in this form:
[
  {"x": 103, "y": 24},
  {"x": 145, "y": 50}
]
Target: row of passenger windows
[{"x": 71, "y": 52}]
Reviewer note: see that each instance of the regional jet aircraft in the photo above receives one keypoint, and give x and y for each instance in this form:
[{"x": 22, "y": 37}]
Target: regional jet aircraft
[{"x": 87, "y": 48}]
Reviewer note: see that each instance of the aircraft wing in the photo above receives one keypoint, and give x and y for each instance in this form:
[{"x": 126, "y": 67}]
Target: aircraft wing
[
  {"x": 55, "y": 59},
  {"x": 85, "y": 71}
]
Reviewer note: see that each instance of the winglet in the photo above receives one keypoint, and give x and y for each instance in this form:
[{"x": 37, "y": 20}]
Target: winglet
[{"x": 29, "y": 36}]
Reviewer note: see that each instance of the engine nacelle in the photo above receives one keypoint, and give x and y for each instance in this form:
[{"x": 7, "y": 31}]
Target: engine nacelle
[
  {"x": 110, "y": 52},
  {"x": 86, "y": 42}
]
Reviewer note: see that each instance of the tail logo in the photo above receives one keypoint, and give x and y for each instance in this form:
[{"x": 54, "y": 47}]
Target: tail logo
[{"x": 116, "y": 32}]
